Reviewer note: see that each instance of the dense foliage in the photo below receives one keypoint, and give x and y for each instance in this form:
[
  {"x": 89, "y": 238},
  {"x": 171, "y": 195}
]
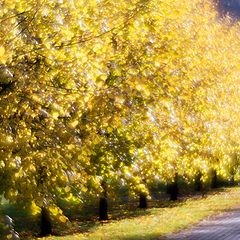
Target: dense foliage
[{"x": 99, "y": 94}]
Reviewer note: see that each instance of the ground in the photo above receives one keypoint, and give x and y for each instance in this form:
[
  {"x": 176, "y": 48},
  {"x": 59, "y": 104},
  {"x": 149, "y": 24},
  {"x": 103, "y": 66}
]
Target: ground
[{"x": 224, "y": 226}]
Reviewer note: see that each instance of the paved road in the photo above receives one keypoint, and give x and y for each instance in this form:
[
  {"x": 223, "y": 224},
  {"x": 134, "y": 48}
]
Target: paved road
[{"x": 225, "y": 226}]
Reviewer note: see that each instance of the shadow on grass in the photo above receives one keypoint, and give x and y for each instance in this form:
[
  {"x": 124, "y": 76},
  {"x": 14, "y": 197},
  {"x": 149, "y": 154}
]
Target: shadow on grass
[
  {"x": 84, "y": 221},
  {"x": 122, "y": 211},
  {"x": 24, "y": 222}
]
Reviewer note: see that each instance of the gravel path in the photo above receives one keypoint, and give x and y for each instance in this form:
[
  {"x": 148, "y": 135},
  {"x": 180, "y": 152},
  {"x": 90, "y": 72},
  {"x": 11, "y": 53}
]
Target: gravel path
[{"x": 225, "y": 226}]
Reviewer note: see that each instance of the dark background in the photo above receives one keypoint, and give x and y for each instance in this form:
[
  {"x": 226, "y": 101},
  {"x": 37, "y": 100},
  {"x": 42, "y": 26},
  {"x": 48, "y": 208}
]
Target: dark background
[{"x": 230, "y": 7}]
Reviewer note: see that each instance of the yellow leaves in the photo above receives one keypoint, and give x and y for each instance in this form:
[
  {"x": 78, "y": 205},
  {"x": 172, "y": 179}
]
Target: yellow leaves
[
  {"x": 73, "y": 124},
  {"x": 10, "y": 5},
  {"x": 127, "y": 173},
  {"x": 84, "y": 189},
  {"x": 63, "y": 219},
  {"x": 32, "y": 168},
  {"x": 109, "y": 129},
  {"x": 9, "y": 139},
  {"x": 141, "y": 189},
  {"x": 21, "y": 6},
  {"x": 151, "y": 58},
  {"x": 35, "y": 210},
  {"x": 67, "y": 189},
  {"x": 55, "y": 210},
  {"x": 6, "y": 140},
  {"x": 58, "y": 214},
  {"x": 2, "y": 51},
  {"x": 10, "y": 194},
  {"x": 35, "y": 97},
  {"x": 3, "y": 55},
  {"x": 70, "y": 146},
  {"x": 97, "y": 47},
  {"x": 101, "y": 79},
  {"x": 55, "y": 115},
  {"x": 119, "y": 103},
  {"x": 143, "y": 88}
]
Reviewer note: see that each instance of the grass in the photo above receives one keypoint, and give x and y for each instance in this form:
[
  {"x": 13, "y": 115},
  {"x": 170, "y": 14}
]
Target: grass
[
  {"x": 156, "y": 222},
  {"x": 24, "y": 222}
]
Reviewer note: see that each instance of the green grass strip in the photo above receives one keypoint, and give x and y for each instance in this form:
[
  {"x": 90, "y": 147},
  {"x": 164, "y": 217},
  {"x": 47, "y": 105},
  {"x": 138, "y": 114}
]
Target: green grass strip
[{"x": 156, "y": 222}]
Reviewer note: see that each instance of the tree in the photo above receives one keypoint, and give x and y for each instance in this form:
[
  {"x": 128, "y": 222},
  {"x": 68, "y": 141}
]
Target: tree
[{"x": 98, "y": 93}]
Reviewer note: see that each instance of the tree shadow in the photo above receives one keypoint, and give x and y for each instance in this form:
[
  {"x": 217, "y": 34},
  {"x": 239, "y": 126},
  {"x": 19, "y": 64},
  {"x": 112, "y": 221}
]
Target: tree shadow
[
  {"x": 84, "y": 221},
  {"x": 23, "y": 220}
]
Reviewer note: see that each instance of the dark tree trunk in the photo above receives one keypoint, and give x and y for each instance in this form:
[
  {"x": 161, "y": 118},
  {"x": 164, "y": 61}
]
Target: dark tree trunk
[
  {"x": 46, "y": 226},
  {"x": 142, "y": 201},
  {"x": 233, "y": 173},
  {"x": 172, "y": 189},
  {"x": 214, "y": 179},
  {"x": 103, "y": 204},
  {"x": 198, "y": 183},
  {"x": 232, "y": 180},
  {"x": 103, "y": 209}
]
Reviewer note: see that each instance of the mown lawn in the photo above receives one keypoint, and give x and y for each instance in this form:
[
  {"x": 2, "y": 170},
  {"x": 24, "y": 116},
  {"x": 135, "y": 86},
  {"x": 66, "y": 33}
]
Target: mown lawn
[{"x": 154, "y": 223}]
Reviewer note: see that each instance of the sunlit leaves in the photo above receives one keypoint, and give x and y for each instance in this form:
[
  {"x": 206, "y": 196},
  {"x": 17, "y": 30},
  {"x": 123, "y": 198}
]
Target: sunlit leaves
[{"x": 114, "y": 91}]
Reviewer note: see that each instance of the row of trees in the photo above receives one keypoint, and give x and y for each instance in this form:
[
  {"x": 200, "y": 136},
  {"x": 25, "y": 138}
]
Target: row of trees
[{"x": 98, "y": 94}]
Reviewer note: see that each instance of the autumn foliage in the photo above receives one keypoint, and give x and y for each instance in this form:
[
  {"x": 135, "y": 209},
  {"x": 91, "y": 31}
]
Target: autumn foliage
[{"x": 99, "y": 94}]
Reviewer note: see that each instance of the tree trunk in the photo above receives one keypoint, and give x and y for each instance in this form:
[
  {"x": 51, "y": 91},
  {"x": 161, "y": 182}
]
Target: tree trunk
[
  {"x": 103, "y": 209},
  {"x": 198, "y": 182},
  {"x": 173, "y": 189},
  {"x": 103, "y": 204},
  {"x": 142, "y": 201},
  {"x": 46, "y": 226},
  {"x": 214, "y": 179},
  {"x": 232, "y": 179}
]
